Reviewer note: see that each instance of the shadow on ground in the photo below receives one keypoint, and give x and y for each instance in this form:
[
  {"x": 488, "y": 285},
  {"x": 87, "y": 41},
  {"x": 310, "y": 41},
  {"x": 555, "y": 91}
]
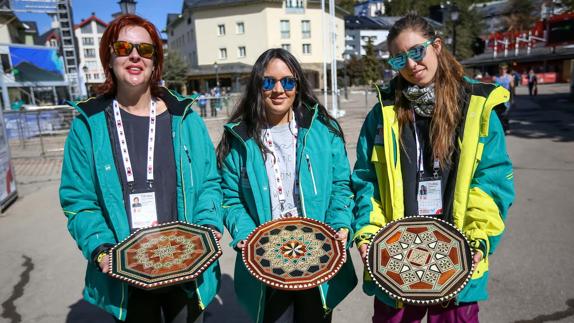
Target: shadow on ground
[
  {"x": 224, "y": 308},
  {"x": 549, "y": 116},
  {"x": 560, "y": 315}
]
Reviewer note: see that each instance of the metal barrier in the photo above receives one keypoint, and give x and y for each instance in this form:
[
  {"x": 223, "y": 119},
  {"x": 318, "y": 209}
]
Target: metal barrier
[{"x": 42, "y": 132}]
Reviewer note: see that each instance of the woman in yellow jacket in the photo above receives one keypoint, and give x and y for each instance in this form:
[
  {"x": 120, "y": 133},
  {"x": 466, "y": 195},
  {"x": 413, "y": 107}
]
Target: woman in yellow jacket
[{"x": 432, "y": 124}]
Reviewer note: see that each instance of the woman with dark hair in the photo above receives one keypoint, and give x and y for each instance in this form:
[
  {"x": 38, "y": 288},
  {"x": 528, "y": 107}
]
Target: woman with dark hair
[
  {"x": 135, "y": 142},
  {"x": 433, "y": 126},
  {"x": 282, "y": 155}
]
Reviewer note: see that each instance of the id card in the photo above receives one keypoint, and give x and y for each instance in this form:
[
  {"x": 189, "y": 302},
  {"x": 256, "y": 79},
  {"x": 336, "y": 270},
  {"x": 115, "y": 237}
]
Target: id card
[
  {"x": 143, "y": 210},
  {"x": 429, "y": 197}
]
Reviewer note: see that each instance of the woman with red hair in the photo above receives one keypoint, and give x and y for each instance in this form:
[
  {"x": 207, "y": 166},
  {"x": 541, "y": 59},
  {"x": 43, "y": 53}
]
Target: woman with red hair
[{"x": 134, "y": 142}]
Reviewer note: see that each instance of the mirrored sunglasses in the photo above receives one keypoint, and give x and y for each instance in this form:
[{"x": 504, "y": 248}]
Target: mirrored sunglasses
[
  {"x": 124, "y": 48},
  {"x": 416, "y": 53},
  {"x": 288, "y": 83}
]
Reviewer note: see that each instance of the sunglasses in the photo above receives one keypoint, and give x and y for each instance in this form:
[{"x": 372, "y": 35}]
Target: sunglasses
[
  {"x": 288, "y": 83},
  {"x": 124, "y": 48},
  {"x": 416, "y": 53}
]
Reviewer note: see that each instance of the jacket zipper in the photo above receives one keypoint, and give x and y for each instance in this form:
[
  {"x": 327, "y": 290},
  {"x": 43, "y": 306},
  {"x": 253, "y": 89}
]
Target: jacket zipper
[
  {"x": 190, "y": 166},
  {"x": 311, "y": 171}
]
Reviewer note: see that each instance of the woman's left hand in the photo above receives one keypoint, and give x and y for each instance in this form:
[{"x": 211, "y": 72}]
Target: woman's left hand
[
  {"x": 217, "y": 235},
  {"x": 476, "y": 258},
  {"x": 342, "y": 235}
]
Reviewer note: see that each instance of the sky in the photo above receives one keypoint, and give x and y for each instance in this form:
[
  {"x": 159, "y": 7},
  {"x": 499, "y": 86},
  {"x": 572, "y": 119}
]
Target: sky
[{"x": 154, "y": 10}]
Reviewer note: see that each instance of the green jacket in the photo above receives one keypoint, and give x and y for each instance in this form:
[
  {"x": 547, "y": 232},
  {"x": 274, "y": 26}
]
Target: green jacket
[
  {"x": 483, "y": 192},
  {"x": 324, "y": 172},
  {"x": 92, "y": 200}
]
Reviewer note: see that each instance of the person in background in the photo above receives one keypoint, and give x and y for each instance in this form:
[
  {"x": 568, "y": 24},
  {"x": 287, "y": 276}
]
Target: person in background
[
  {"x": 532, "y": 83},
  {"x": 282, "y": 155},
  {"x": 138, "y": 142},
  {"x": 505, "y": 80},
  {"x": 432, "y": 125},
  {"x": 202, "y": 102}
]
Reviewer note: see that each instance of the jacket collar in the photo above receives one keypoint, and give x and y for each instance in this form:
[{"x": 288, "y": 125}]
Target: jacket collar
[
  {"x": 303, "y": 117},
  {"x": 176, "y": 104}
]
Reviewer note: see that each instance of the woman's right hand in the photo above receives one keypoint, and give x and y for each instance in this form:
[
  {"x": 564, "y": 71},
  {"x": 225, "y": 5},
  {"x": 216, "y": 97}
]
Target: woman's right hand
[
  {"x": 105, "y": 264},
  {"x": 363, "y": 252}
]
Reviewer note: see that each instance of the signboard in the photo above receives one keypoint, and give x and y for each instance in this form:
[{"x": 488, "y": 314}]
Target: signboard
[{"x": 33, "y": 64}]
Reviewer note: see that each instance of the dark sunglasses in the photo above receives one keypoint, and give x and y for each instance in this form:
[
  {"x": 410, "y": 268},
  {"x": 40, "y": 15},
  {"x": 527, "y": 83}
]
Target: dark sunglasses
[
  {"x": 416, "y": 53},
  {"x": 124, "y": 48},
  {"x": 288, "y": 83}
]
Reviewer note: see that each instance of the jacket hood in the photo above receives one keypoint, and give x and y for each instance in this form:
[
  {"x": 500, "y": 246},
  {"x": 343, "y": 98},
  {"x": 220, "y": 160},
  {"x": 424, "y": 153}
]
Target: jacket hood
[
  {"x": 303, "y": 118},
  {"x": 176, "y": 103}
]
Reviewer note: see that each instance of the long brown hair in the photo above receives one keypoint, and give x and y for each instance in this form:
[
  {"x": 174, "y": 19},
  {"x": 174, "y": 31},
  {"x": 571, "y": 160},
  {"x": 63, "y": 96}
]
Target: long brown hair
[
  {"x": 448, "y": 81},
  {"x": 111, "y": 35}
]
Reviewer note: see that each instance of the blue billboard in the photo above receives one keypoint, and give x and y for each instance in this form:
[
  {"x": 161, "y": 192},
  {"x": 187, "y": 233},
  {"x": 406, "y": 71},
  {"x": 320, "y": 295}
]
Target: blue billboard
[{"x": 36, "y": 64}]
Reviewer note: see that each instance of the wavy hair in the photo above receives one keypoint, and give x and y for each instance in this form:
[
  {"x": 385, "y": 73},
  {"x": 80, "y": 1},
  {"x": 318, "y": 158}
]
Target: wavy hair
[
  {"x": 448, "y": 82},
  {"x": 111, "y": 35},
  {"x": 251, "y": 107}
]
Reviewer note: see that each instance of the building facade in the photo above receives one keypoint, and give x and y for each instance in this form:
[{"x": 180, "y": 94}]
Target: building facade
[
  {"x": 226, "y": 37},
  {"x": 88, "y": 34}
]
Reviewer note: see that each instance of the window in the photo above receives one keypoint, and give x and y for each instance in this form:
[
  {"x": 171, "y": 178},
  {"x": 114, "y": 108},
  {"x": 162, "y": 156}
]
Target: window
[
  {"x": 96, "y": 76},
  {"x": 88, "y": 76},
  {"x": 285, "y": 29},
  {"x": 89, "y": 52},
  {"x": 306, "y": 28},
  {"x": 220, "y": 30},
  {"x": 189, "y": 20},
  {"x": 286, "y": 47},
  {"x": 87, "y": 41},
  {"x": 100, "y": 28},
  {"x": 241, "y": 51},
  {"x": 223, "y": 53},
  {"x": 293, "y": 3},
  {"x": 240, "y": 28},
  {"x": 307, "y": 49}
]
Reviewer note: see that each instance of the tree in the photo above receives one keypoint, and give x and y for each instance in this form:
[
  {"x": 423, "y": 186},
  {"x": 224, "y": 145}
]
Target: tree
[
  {"x": 355, "y": 70},
  {"x": 568, "y": 5},
  {"x": 520, "y": 17},
  {"x": 348, "y": 5},
  {"x": 175, "y": 71},
  {"x": 371, "y": 67}
]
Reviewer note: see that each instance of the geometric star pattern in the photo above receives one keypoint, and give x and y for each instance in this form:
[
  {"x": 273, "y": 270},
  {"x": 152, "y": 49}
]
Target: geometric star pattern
[
  {"x": 162, "y": 255},
  {"x": 293, "y": 253},
  {"x": 420, "y": 260}
]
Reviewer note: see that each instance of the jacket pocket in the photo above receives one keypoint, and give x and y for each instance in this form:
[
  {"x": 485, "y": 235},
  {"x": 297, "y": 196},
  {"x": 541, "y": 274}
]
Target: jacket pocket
[{"x": 189, "y": 164}]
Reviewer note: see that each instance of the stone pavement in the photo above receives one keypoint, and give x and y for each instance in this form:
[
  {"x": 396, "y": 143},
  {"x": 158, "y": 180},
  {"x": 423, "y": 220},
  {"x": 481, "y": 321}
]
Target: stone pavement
[{"x": 41, "y": 273}]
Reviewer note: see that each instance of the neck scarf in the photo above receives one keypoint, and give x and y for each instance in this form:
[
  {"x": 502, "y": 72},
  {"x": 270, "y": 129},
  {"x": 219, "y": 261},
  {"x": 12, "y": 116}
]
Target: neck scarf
[{"x": 421, "y": 99}]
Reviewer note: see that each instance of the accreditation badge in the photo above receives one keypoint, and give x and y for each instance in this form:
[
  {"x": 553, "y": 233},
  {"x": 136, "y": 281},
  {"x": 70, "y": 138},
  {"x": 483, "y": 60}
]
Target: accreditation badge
[
  {"x": 143, "y": 210},
  {"x": 429, "y": 196}
]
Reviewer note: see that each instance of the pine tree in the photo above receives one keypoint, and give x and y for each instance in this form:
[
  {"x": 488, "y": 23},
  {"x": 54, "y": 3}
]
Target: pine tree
[
  {"x": 174, "y": 71},
  {"x": 371, "y": 65}
]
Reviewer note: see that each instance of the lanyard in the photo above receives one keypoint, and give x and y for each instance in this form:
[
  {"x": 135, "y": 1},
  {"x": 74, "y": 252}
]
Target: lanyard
[
  {"x": 420, "y": 153},
  {"x": 276, "y": 170},
  {"x": 124, "y": 147}
]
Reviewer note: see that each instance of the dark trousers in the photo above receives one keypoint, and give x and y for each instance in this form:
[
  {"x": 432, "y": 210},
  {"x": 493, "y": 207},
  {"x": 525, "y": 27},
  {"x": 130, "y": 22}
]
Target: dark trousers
[
  {"x": 203, "y": 110},
  {"x": 167, "y": 305},
  {"x": 443, "y": 313},
  {"x": 294, "y": 306}
]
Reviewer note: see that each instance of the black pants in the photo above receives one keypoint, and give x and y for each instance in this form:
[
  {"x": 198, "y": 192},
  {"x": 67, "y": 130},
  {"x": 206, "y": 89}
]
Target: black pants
[
  {"x": 294, "y": 306},
  {"x": 167, "y": 305}
]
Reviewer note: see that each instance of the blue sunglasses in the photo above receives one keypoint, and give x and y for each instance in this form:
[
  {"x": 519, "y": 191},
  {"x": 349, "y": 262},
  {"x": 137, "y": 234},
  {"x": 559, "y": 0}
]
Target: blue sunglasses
[
  {"x": 416, "y": 53},
  {"x": 288, "y": 83}
]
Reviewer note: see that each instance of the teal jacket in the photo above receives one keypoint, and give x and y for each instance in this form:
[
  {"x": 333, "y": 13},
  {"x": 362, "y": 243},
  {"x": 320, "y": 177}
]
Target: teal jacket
[
  {"x": 324, "y": 172},
  {"x": 92, "y": 200},
  {"x": 484, "y": 188}
]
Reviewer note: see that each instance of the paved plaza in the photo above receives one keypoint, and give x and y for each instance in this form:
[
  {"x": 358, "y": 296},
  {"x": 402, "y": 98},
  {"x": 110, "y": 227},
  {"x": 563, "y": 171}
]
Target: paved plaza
[{"x": 532, "y": 273}]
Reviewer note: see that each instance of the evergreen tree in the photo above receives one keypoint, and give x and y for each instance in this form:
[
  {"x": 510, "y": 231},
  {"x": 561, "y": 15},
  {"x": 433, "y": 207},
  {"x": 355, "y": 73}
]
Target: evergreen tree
[
  {"x": 371, "y": 65},
  {"x": 174, "y": 71},
  {"x": 348, "y": 5}
]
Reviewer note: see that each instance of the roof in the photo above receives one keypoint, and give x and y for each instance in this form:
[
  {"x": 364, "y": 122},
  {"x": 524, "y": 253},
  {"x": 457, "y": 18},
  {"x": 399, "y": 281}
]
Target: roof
[
  {"x": 537, "y": 54},
  {"x": 90, "y": 19},
  {"x": 171, "y": 17},
  {"x": 196, "y": 4},
  {"x": 384, "y": 22},
  {"x": 228, "y": 68},
  {"x": 42, "y": 39}
]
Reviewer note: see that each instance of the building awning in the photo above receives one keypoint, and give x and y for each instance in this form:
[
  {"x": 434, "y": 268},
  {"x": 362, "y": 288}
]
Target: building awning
[
  {"x": 538, "y": 54},
  {"x": 209, "y": 70}
]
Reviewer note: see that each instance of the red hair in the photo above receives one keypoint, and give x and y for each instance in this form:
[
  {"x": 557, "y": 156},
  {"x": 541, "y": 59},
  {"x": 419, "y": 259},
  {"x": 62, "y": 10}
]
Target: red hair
[{"x": 111, "y": 35}]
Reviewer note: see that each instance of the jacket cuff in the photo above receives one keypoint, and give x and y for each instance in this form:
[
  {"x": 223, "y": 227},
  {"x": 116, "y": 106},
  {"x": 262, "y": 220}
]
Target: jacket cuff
[{"x": 102, "y": 248}]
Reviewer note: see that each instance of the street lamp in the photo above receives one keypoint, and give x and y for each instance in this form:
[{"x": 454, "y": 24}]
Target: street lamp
[
  {"x": 346, "y": 56},
  {"x": 454, "y": 15},
  {"x": 85, "y": 69},
  {"x": 216, "y": 67},
  {"x": 128, "y": 6}
]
